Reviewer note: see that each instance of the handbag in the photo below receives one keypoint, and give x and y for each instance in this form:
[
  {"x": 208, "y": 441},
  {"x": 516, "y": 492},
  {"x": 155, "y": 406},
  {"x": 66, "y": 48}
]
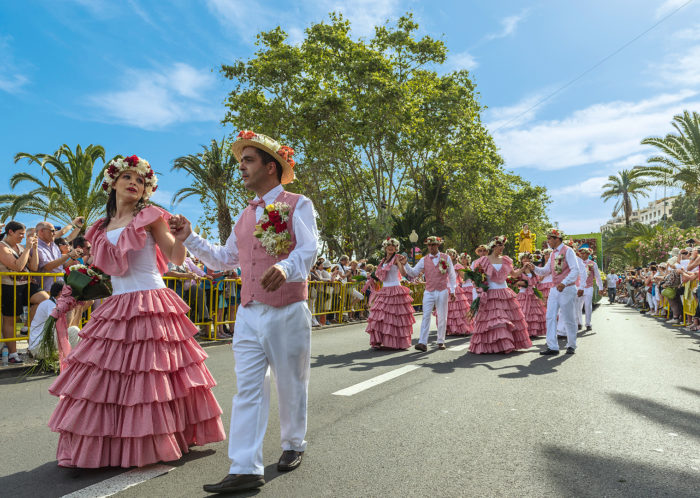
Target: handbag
[{"x": 669, "y": 292}]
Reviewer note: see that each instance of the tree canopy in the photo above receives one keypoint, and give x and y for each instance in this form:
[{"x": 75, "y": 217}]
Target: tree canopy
[{"x": 382, "y": 135}]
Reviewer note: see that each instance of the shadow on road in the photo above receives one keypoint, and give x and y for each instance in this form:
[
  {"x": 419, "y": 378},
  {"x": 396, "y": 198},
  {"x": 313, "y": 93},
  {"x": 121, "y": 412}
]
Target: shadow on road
[
  {"x": 674, "y": 418},
  {"x": 50, "y": 480},
  {"x": 576, "y": 473}
]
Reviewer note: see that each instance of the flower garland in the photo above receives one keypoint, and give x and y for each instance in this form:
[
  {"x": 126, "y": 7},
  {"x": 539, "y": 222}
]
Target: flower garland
[
  {"x": 442, "y": 264},
  {"x": 272, "y": 229},
  {"x": 117, "y": 166}
]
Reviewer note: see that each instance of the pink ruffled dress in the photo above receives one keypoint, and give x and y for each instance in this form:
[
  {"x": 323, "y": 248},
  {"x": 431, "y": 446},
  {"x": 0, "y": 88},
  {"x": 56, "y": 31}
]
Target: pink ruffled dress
[
  {"x": 533, "y": 308},
  {"x": 457, "y": 321},
  {"x": 499, "y": 325},
  {"x": 390, "y": 323},
  {"x": 135, "y": 391}
]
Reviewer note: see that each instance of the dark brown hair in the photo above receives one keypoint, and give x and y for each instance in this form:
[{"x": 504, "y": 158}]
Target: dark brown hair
[{"x": 268, "y": 158}]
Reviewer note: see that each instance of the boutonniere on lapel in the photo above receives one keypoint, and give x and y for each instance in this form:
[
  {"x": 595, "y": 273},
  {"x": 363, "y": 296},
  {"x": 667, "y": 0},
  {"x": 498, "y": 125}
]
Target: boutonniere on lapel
[
  {"x": 442, "y": 264},
  {"x": 272, "y": 229}
]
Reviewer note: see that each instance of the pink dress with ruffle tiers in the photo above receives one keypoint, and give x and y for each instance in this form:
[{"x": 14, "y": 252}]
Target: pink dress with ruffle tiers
[
  {"x": 457, "y": 321},
  {"x": 499, "y": 325},
  {"x": 135, "y": 391},
  {"x": 390, "y": 322},
  {"x": 533, "y": 309}
]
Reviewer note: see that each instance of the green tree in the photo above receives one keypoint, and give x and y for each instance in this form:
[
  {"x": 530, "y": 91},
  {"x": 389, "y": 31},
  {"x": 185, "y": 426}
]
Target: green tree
[
  {"x": 684, "y": 210},
  {"x": 679, "y": 161},
  {"x": 215, "y": 183},
  {"x": 72, "y": 187},
  {"x": 627, "y": 186},
  {"x": 378, "y": 132}
]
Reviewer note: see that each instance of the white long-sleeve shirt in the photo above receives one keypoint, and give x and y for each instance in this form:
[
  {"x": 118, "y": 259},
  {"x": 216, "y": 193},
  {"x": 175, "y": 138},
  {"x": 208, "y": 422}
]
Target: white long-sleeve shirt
[
  {"x": 571, "y": 261},
  {"x": 297, "y": 264},
  {"x": 596, "y": 275},
  {"x": 581, "y": 272},
  {"x": 413, "y": 272}
]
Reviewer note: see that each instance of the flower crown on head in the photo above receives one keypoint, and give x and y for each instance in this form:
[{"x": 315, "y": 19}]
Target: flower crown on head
[
  {"x": 502, "y": 239},
  {"x": 117, "y": 166},
  {"x": 390, "y": 241},
  {"x": 434, "y": 239},
  {"x": 570, "y": 243},
  {"x": 525, "y": 254},
  {"x": 546, "y": 251},
  {"x": 452, "y": 253},
  {"x": 586, "y": 250},
  {"x": 467, "y": 256}
]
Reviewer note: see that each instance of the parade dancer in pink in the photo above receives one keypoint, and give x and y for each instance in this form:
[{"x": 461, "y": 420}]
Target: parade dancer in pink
[
  {"x": 440, "y": 282},
  {"x": 135, "y": 390},
  {"x": 390, "y": 324},
  {"x": 466, "y": 261},
  {"x": 533, "y": 308},
  {"x": 592, "y": 274},
  {"x": 499, "y": 325},
  {"x": 274, "y": 241},
  {"x": 458, "y": 322},
  {"x": 563, "y": 267}
]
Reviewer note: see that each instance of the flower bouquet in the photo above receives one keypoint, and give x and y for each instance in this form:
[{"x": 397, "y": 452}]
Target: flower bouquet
[
  {"x": 272, "y": 229},
  {"x": 82, "y": 283},
  {"x": 478, "y": 277}
]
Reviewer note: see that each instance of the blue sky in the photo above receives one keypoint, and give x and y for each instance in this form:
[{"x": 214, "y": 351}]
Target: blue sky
[{"x": 141, "y": 77}]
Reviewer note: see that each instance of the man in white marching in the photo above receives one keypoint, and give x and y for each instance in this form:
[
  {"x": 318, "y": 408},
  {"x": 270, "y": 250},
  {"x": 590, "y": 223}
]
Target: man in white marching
[
  {"x": 274, "y": 241},
  {"x": 440, "y": 277},
  {"x": 590, "y": 275},
  {"x": 563, "y": 266}
]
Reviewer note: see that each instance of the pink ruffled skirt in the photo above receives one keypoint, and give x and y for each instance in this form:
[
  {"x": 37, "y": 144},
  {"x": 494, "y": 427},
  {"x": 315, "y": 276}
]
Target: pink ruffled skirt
[
  {"x": 545, "y": 287},
  {"x": 457, "y": 321},
  {"x": 390, "y": 323},
  {"x": 499, "y": 325},
  {"x": 534, "y": 312},
  {"x": 135, "y": 390}
]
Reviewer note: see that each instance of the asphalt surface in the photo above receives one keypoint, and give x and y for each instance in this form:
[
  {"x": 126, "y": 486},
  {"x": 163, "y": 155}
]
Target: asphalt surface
[{"x": 621, "y": 417}]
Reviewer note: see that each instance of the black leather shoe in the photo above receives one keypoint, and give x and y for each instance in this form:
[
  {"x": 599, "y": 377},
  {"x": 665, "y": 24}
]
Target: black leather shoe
[
  {"x": 549, "y": 352},
  {"x": 570, "y": 351},
  {"x": 289, "y": 460},
  {"x": 579, "y": 327},
  {"x": 421, "y": 347},
  {"x": 235, "y": 482},
  {"x": 589, "y": 328},
  {"x": 441, "y": 346}
]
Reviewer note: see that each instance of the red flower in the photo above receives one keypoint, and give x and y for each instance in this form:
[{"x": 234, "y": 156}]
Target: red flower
[
  {"x": 280, "y": 227},
  {"x": 274, "y": 216},
  {"x": 247, "y": 135},
  {"x": 286, "y": 153},
  {"x": 266, "y": 225},
  {"x": 155, "y": 187},
  {"x": 105, "y": 186},
  {"x": 149, "y": 174},
  {"x": 132, "y": 160}
]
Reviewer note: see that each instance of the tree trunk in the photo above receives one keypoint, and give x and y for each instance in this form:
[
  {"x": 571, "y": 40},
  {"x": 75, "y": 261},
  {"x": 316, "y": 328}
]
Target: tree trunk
[{"x": 223, "y": 219}]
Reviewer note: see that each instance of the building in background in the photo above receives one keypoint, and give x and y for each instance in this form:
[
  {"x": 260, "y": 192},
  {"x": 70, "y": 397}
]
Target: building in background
[{"x": 650, "y": 215}]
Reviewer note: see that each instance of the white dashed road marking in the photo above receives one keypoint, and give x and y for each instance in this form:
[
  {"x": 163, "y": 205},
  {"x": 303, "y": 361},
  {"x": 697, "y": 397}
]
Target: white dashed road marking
[
  {"x": 114, "y": 485},
  {"x": 375, "y": 381}
]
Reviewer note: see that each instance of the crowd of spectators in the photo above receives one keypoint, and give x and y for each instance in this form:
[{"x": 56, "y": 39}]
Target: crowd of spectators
[{"x": 644, "y": 287}]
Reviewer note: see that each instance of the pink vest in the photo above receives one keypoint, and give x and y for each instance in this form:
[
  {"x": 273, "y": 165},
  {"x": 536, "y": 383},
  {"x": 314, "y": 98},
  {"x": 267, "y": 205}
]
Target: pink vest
[
  {"x": 254, "y": 260},
  {"x": 558, "y": 278},
  {"x": 591, "y": 273},
  {"x": 434, "y": 280}
]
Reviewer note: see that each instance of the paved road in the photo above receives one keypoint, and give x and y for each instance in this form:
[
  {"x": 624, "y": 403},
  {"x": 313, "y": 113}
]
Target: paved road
[{"x": 619, "y": 418}]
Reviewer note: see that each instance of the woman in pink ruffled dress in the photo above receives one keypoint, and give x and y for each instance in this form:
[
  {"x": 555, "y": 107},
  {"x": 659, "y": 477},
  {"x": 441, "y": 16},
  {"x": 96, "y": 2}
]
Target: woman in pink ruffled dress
[
  {"x": 499, "y": 325},
  {"x": 135, "y": 390},
  {"x": 458, "y": 322},
  {"x": 532, "y": 306},
  {"x": 390, "y": 323}
]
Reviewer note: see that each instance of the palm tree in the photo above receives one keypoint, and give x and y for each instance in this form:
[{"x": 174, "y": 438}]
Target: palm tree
[
  {"x": 680, "y": 163},
  {"x": 626, "y": 187},
  {"x": 72, "y": 188},
  {"x": 213, "y": 171}
]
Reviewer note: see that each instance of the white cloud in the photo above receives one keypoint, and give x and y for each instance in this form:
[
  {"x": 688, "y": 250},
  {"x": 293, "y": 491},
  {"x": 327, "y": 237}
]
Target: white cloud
[
  {"x": 156, "y": 99},
  {"x": 588, "y": 188},
  {"x": 689, "y": 33},
  {"x": 12, "y": 79},
  {"x": 509, "y": 25},
  {"x": 600, "y": 133},
  {"x": 668, "y": 6},
  {"x": 463, "y": 60},
  {"x": 682, "y": 69},
  {"x": 515, "y": 115}
]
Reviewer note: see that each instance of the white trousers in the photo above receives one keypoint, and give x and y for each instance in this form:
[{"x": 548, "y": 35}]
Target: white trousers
[
  {"x": 564, "y": 304},
  {"x": 437, "y": 300},
  {"x": 586, "y": 304},
  {"x": 269, "y": 339}
]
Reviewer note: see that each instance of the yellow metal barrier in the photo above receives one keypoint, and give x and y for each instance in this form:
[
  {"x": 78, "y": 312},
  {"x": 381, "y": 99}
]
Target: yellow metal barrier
[{"x": 212, "y": 303}]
